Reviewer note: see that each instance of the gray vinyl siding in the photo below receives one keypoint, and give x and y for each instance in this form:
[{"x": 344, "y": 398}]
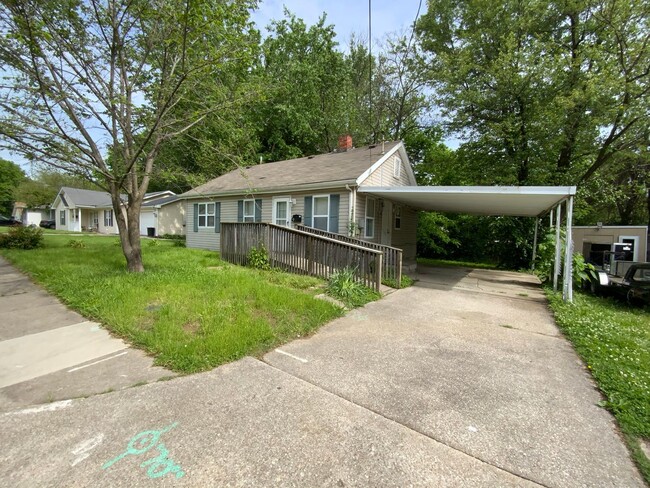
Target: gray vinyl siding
[
  {"x": 207, "y": 238},
  {"x": 384, "y": 176}
]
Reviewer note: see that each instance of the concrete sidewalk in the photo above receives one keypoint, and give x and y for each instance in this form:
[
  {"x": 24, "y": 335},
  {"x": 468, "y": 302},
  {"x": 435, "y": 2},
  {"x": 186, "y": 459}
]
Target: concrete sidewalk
[
  {"x": 445, "y": 387},
  {"x": 48, "y": 352}
]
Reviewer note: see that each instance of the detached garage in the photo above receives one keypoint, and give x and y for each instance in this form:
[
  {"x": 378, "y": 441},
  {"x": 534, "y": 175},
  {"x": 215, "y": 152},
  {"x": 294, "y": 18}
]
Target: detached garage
[{"x": 162, "y": 216}]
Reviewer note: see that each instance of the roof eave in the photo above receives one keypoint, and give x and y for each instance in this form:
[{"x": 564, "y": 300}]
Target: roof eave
[{"x": 278, "y": 189}]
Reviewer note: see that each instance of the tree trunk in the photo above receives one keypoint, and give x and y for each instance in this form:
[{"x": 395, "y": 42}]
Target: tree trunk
[{"x": 129, "y": 228}]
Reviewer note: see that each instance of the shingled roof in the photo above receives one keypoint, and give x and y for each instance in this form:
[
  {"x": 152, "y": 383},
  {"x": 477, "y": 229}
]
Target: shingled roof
[{"x": 335, "y": 168}]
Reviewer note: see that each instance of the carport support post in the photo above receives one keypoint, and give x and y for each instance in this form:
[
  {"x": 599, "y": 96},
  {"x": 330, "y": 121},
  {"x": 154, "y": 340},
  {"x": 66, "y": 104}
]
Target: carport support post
[
  {"x": 567, "y": 289},
  {"x": 535, "y": 242},
  {"x": 558, "y": 246}
]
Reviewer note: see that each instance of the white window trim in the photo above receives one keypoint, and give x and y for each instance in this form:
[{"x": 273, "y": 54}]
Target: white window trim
[
  {"x": 397, "y": 167},
  {"x": 367, "y": 218},
  {"x": 244, "y": 215},
  {"x": 397, "y": 209},
  {"x": 62, "y": 217},
  {"x": 108, "y": 221},
  {"x": 206, "y": 215},
  {"x": 313, "y": 211}
]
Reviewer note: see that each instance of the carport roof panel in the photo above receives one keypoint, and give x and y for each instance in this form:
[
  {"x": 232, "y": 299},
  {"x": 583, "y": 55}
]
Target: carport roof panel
[{"x": 521, "y": 201}]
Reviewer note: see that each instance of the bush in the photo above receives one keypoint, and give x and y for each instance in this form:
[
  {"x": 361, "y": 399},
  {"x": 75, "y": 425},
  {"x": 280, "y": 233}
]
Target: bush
[
  {"x": 405, "y": 282},
  {"x": 22, "y": 238},
  {"x": 259, "y": 258},
  {"x": 343, "y": 286}
]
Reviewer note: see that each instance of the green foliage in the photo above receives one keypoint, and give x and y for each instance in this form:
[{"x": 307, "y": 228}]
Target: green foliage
[
  {"x": 582, "y": 271},
  {"x": 22, "y": 238},
  {"x": 545, "y": 258},
  {"x": 153, "y": 243},
  {"x": 612, "y": 340},
  {"x": 76, "y": 244},
  {"x": 189, "y": 310},
  {"x": 405, "y": 282},
  {"x": 258, "y": 257},
  {"x": 343, "y": 286},
  {"x": 434, "y": 237},
  {"x": 11, "y": 176}
]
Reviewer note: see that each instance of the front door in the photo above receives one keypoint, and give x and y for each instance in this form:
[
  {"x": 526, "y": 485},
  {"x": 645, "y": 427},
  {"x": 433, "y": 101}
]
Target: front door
[
  {"x": 387, "y": 223},
  {"x": 282, "y": 211}
]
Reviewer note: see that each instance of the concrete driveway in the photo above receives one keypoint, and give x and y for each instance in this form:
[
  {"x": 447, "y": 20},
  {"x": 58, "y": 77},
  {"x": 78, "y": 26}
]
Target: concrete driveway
[{"x": 462, "y": 380}]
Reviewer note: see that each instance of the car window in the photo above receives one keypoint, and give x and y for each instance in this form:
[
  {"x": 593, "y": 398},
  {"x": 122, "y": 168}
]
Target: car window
[{"x": 642, "y": 275}]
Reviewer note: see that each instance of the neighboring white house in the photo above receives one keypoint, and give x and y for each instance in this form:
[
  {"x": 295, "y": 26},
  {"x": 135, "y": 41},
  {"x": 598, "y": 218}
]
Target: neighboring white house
[
  {"x": 31, "y": 216},
  {"x": 89, "y": 210}
]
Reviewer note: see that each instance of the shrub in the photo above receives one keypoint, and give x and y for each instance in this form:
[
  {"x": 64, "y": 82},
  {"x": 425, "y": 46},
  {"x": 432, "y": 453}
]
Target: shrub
[
  {"x": 343, "y": 286},
  {"x": 76, "y": 244},
  {"x": 153, "y": 243},
  {"x": 258, "y": 257},
  {"x": 22, "y": 238}
]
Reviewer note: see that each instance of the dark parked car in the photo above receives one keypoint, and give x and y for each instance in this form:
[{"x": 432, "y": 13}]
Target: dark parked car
[
  {"x": 9, "y": 221},
  {"x": 48, "y": 224}
]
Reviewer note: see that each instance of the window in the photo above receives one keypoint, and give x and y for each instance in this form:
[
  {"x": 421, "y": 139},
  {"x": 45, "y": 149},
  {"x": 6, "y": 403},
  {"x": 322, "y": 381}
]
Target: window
[
  {"x": 108, "y": 218},
  {"x": 370, "y": 217},
  {"x": 398, "y": 217},
  {"x": 397, "y": 167},
  {"x": 74, "y": 215},
  {"x": 62, "y": 214},
  {"x": 321, "y": 212},
  {"x": 249, "y": 210},
  {"x": 206, "y": 214}
]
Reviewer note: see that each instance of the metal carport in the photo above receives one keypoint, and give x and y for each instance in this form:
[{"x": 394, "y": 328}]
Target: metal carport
[{"x": 515, "y": 201}]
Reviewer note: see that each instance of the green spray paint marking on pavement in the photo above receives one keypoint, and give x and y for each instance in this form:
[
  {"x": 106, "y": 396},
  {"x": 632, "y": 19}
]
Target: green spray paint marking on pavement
[{"x": 143, "y": 442}]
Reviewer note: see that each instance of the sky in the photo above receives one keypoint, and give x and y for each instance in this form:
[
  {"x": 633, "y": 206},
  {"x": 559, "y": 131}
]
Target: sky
[{"x": 349, "y": 17}]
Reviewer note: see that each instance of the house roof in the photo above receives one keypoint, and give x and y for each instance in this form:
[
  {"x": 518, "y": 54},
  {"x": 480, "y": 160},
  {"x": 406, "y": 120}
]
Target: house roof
[
  {"x": 161, "y": 201},
  {"x": 335, "y": 168},
  {"x": 85, "y": 198},
  {"x": 101, "y": 199}
]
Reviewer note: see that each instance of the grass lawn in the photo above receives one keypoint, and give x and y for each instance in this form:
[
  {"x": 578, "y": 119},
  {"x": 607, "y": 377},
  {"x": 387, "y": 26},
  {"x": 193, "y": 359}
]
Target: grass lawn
[
  {"x": 614, "y": 341},
  {"x": 455, "y": 264},
  {"x": 189, "y": 309}
]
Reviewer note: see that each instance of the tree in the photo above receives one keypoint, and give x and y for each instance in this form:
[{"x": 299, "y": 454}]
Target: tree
[
  {"x": 305, "y": 79},
  {"x": 43, "y": 188},
  {"x": 11, "y": 176},
  {"x": 545, "y": 92},
  {"x": 95, "y": 86}
]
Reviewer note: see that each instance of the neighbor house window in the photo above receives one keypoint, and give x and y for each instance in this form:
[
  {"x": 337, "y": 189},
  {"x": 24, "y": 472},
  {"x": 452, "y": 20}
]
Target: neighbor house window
[
  {"x": 397, "y": 167},
  {"x": 398, "y": 217},
  {"x": 370, "y": 217},
  {"x": 321, "y": 212},
  {"x": 108, "y": 218},
  {"x": 249, "y": 210},
  {"x": 74, "y": 215},
  {"x": 206, "y": 214},
  {"x": 62, "y": 214}
]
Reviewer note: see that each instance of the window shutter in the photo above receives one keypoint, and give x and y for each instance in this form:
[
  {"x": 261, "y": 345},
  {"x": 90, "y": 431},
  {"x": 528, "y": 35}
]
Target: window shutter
[
  {"x": 217, "y": 217},
  {"x": 334, "y": 213},
  {"x": 196, "y": 217},
  {"x": 258, "y": 210},
  {"x": 240, "y": 210},
  {"x": 308, "y": 203}
]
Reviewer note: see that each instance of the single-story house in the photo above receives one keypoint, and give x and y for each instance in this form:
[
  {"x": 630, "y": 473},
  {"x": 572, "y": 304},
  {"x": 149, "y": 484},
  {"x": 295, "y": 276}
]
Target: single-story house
[
  {"x": 160, "y": 216},
  {"x": 31, "y": 215},
  {"x": 593, "y": 240},
  {"x": 320, "y": 191},
  {"x": 78, "y": 210}
]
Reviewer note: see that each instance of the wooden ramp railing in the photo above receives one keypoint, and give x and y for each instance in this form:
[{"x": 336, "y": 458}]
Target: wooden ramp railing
[
  {"x": 300, "y": 252},
  {"x": 392, "y": 262}
]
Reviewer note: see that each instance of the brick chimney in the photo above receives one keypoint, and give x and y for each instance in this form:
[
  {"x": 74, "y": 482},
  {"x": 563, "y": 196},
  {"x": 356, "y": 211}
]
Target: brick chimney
[{"x": 345, "y": 142}]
